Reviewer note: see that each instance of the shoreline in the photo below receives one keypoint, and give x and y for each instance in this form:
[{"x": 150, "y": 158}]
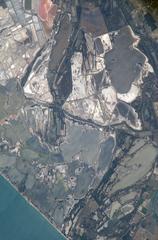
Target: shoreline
[{"x": 32, "y": 205}]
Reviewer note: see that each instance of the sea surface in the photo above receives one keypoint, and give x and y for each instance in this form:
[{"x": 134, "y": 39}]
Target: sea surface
[{"x": 19, "y": 220}]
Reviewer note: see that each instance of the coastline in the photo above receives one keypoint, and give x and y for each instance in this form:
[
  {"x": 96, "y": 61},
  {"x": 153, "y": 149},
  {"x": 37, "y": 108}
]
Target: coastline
[{"x": 32, "y": 205}]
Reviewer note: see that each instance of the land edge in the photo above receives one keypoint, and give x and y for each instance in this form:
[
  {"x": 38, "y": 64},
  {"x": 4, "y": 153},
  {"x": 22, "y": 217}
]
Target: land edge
[{"x": 32, "y": 205}]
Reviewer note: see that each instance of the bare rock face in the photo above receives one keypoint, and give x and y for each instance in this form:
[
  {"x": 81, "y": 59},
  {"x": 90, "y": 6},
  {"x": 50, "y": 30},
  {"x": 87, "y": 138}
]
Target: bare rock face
[{"x": 37, "y": 86}]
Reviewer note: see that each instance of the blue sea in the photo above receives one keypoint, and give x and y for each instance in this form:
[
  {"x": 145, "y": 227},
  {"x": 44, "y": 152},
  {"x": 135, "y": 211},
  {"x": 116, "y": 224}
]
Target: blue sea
[{"x": 19, "y": 220}]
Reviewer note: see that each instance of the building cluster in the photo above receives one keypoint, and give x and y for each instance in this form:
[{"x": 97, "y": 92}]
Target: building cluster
[{"x": 22, "y": 35}]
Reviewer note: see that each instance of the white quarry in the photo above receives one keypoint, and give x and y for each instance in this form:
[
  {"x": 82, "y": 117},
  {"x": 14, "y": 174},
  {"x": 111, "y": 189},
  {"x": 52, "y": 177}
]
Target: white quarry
[{"x": 96, "y": 89}]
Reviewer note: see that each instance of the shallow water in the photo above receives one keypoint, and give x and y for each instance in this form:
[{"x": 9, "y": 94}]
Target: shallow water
[{"x": 19, "y": 220}]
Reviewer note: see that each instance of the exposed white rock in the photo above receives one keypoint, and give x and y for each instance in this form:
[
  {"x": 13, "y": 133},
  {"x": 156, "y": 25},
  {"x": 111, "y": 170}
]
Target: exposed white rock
[
  {"x": 89, "y": 103},
  {"x": 107, "y": 45},
  {"x": 131, "y": 95},
  {"x": 108, "y": 96},
  {"x": 37, "y": 86}
]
